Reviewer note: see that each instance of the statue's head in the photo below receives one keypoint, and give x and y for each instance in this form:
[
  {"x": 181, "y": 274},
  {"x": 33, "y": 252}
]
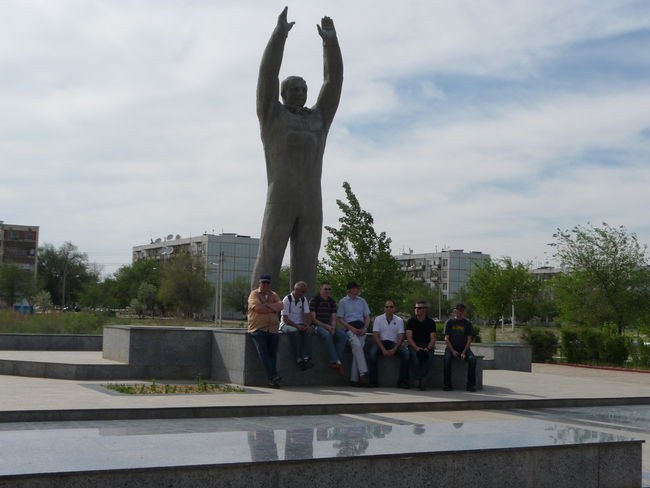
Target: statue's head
[{"x": 293, "y": 91}]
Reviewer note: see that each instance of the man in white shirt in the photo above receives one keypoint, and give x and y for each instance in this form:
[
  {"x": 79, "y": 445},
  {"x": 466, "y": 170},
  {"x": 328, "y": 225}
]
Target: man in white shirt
[
  {"x": 296, "y": 322},
  {"x": 388, "y": 335}
]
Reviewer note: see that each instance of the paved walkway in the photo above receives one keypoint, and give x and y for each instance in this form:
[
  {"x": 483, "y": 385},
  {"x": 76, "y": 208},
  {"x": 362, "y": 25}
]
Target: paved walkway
[
  {"x": 506, "y": 395},
  {"x": 546, "y": 382}
]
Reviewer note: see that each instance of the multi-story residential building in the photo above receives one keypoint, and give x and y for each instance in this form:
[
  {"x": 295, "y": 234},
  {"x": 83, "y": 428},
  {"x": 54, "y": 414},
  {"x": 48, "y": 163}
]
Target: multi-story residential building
[
  {"x": 19, "y": 245},
  {"x": 225, "y": 257},
  {"x": 446, "y": 271}
]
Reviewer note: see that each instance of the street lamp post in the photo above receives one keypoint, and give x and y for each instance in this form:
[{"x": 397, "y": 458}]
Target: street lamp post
[{"x": 218, "y": 290}]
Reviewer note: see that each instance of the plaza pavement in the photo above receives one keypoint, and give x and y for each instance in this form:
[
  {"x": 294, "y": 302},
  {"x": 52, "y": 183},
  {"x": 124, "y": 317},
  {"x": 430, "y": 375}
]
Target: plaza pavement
[{"x": 506, "y": 394}]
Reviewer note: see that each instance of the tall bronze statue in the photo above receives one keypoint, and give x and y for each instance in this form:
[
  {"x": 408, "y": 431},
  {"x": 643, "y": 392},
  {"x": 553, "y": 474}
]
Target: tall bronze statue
[{"x": 294, "y": 141}]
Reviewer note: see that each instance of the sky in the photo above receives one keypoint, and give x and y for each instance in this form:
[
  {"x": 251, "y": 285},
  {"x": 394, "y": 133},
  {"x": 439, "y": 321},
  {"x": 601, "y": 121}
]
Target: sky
[{"x": 475, "y": 125}]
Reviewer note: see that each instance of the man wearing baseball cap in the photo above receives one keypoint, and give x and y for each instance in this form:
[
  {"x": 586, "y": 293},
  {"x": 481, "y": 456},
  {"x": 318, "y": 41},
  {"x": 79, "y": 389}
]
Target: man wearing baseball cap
[{"x": 263, "y": 326}]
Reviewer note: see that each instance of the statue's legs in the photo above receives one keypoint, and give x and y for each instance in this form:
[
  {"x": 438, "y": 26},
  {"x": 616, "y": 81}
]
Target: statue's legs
[
  {"x": 305, "y": 244},
  {"x": 277, "y": 225}
]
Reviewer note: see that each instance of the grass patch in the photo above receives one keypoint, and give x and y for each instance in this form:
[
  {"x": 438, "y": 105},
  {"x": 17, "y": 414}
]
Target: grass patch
[{"x": 155, "y": 388}]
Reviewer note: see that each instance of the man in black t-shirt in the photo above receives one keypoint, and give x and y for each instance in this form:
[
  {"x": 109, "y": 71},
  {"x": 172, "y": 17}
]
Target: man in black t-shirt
[
  {"x": 421, "y": 338},
  {"x": 458, "y": 338}
]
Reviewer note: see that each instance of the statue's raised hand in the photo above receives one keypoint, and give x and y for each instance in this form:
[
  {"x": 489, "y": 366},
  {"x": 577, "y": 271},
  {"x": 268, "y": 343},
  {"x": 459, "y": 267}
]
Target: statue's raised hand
[
  {"x": 283, "y": 24},
  {"x": 326, "y": 29}
]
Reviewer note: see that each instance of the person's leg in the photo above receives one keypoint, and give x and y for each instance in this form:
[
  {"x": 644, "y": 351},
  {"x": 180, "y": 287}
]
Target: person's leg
[
  {"x": 471, "y": 369},
  {"x": 373, "y": 353},
  {"x": 414, "y": 363},
  {"x": 447, "y": 369},
  {"x": 340, "y": 340},
  {"x": 277, "y": 224},
  {"x": 261, "y": 344},
  {"x": 292, "y": 333},
  {"x": 359, "y": 364},
  {"x": 328, "y": 339},
  {"x": 306, "y": 238},
  {"x": 403, "y": 356},
  {"x": 305, "y": 346},
  {"x": 272, "y": 342}
]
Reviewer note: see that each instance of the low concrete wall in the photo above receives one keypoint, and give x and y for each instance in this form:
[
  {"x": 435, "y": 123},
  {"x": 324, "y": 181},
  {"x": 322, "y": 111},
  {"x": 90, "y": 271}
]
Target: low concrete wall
[
  {"x": 235, "y": 360},
  {"x": 604, "y": 465},
  {"x": 174, "y": 352},
  {"x": 511, "y": 356},
  {"x": 50, "y": 342}
]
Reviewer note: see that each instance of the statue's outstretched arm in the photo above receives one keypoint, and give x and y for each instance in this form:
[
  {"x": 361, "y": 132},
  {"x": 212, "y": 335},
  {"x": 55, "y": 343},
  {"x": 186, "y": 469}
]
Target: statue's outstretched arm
[
  {"x": 330, "y": 92},
  {"x": 268, "y": 85}
]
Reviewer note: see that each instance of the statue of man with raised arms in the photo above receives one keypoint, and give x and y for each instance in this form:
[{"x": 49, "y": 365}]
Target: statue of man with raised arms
[{"x": 294, "y": 141}]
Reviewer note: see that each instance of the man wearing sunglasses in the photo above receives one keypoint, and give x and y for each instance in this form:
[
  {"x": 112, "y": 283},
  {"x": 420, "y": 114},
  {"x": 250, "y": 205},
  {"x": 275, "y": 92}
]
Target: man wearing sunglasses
[{"x": 388, "y": 335}]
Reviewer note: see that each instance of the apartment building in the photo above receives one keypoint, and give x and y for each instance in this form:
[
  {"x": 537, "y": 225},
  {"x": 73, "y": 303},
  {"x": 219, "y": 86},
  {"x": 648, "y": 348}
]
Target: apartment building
[
  {"x": 444, "y": 270},
  {"x": 19, "y": 245}
]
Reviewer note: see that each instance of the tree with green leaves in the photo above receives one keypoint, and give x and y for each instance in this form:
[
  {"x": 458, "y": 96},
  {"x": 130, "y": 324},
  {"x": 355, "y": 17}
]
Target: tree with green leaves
[
  {"x": 15, "y": 283},
  {"x": 493, "y": 287},
  {"x": 184, "y": 287},
  {"x": 127, "y": 280},
  {"x": 65, "y": 272},
  {"x": 235, "y": 295},
  {"x": 355, "y": 252},
  {"x": 605, "y": 277}
]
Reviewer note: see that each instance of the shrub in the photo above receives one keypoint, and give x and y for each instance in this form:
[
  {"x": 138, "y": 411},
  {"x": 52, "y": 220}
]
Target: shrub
[
  {"x": 589, "y": 345},
  {"x": 543, "y": 343},
  {"x": 640, "y": 353}
]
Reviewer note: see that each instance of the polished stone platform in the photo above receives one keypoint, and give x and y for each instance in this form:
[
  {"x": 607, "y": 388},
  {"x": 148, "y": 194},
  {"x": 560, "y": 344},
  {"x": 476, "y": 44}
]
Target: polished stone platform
[{"x": 342, "y": 450}]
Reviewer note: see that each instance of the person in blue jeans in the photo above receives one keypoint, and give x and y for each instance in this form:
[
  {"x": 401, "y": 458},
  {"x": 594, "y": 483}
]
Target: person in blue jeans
[
  {"x": 388, "y": 335},
  {"x": 421, "y": 338},
  {"x": 458, "y": 338},
  {"x": 263, "y": 307},
  {"x": 296, "y": 323},
  {"x": 323, "y": 314}
]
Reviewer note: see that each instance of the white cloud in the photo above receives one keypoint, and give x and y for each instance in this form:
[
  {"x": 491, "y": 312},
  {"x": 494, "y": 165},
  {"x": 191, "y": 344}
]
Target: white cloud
[{"x": 130, "y": 120}]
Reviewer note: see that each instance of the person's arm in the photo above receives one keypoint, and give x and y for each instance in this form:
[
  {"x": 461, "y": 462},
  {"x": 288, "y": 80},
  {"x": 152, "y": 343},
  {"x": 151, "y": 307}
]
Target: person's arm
[
  {"x": 400, "y": 339},
  {"x": 268, "y": 85},
  {"x": 468, "y": 343},
  {"x": 410, "y": 341},
  {"x": 432, "y": 341},
  {"x": 330, "y": 92}
]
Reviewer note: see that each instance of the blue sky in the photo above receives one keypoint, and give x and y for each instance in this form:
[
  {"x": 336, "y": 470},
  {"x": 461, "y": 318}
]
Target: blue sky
[{"x": 478, "y": 125}]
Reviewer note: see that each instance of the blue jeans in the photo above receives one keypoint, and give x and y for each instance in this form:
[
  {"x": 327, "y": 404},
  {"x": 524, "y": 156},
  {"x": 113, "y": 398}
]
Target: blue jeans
[
  {"x": 300, "y": 341},
  {"x": 402, "y": 354},
  {"x": 420, "y": 363},
  {"x": 266, "y": 344},
  {"x": 335, "y": 343},
  {"x": 471, "y": 367}
]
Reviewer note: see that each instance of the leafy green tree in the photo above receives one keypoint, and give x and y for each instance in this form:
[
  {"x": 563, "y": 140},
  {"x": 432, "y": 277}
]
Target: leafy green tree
[
  {"x": 606, "y": 277},
  {"x": 355, "y": 252},
  {"x": 184, "y": 287},
  {"x": 42, "y": 300},
  {"x": 65, "y": 272},
  {"x": 493, "y": 286},
  {"x": 127, "y": 280},
  {"x": 235, "y": 294},
  {"x": 147, "y": 296},
  {"x": 15, "y": 283}
]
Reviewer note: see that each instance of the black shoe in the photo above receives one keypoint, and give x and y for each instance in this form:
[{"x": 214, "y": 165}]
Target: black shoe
[
  {"x": 307, "y": 364},
  {"x": 355, "y": 384},
  {"x": 447, "y": 388},
  {"x": 275, "y": 382},
  {"x": 421, "y": 386},
  {"x": 363, "y": 379},
  {"x": 403, "y": 384},
  {"x": 471, "y": 388},
  {"x": 373, "y": 385}
]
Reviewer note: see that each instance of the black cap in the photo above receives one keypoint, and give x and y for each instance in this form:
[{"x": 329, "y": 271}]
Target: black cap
[
  {"x": 265, "y": 279},
  {"x": 352, "y": 284},
  {"x": 460, "y": 306}
]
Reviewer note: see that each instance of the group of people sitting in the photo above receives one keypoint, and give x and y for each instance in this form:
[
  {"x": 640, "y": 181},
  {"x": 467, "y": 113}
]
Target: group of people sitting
[{"x": 347, "y": 323}]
